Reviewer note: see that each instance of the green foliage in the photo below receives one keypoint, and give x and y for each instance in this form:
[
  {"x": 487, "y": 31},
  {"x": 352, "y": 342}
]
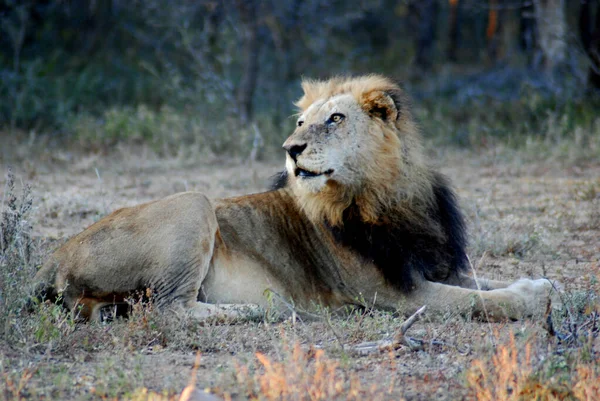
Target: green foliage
[
  {"x": 169, "y": 131},
  {"x": 531, "y": 116},
  {"x": 51, "y": 322},
  {"x": 169, "y": 73},
  {"x": 126, "y": 124},
  {"x": 40, "y": 98},
  {"x": 568, "y": 130}
]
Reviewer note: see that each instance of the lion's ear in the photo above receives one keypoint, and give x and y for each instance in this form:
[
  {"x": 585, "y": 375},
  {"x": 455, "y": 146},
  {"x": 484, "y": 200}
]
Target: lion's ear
[{"x": 382, "y": 104}]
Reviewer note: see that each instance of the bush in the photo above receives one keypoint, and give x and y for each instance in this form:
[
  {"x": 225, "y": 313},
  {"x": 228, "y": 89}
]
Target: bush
[
  {"x": 16, "y": 265},
  {"x": 169, "y": 131}
]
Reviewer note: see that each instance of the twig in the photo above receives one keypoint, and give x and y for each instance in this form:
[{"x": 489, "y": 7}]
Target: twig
[
  {"x": 336, "y": 335},
  {"x": 298, "y": 314},
  {"x": 548, "y": 325},
  {"x": 487, "y": 317},
  {"x": 411, "y": 320},
  {"x": 399, "y": 339}
]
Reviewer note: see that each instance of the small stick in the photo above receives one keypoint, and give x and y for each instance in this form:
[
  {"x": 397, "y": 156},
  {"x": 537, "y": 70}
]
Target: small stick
[
  {"x": 548, "y": 324},
  {"x": 399, "y": 338},
  {"x": 411, "y": 320}
]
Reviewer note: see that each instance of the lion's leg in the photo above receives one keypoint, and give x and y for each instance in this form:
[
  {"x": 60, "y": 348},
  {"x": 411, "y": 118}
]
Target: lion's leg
[
  {"x": 186, "y": 258},
  {"x": 465, "y": 281},
  {"x": 524, "y": 298},
  {"x": 165, "y": 246}
]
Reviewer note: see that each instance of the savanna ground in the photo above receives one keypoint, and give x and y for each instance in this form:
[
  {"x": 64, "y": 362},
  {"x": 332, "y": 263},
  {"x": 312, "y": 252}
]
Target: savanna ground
[{"x": 532, "y": 212}]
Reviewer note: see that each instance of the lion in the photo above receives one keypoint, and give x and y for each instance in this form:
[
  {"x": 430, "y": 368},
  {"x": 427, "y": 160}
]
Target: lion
[{"x": 358, "y": 218}]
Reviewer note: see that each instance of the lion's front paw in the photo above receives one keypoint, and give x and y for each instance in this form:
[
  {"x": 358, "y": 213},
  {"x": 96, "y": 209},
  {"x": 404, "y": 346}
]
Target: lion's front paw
[{"x": 532, "y": 297}]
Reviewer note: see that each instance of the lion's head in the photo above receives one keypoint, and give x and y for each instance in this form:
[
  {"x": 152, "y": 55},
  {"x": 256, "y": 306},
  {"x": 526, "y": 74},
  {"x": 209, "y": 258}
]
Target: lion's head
[{"x": 355, "y": 142}]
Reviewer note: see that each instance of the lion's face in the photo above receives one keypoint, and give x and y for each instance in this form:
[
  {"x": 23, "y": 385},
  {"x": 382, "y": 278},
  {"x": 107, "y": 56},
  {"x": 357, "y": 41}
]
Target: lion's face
[
  {"x": 353, "y": 143},
  {"x": 330, "y": 145}
]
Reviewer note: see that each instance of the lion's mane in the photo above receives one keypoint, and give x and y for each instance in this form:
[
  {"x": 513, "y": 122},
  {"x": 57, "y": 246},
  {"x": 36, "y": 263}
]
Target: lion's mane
[{"x": 404, "y": 218}]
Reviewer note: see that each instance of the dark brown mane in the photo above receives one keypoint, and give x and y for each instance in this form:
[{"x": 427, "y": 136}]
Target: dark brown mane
[
  {"x": 400, "y": 249},
  {"x": 435, "y": 249},
  {"x": 278, "y": 180}
]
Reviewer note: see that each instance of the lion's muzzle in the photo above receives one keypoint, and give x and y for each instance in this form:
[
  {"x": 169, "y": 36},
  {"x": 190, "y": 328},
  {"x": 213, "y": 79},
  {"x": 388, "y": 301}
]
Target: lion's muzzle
[{"x": 294, "y": 150}]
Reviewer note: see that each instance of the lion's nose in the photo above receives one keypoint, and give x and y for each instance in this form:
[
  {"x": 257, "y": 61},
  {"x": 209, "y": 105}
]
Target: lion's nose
[{"x": 294, "y": 150}]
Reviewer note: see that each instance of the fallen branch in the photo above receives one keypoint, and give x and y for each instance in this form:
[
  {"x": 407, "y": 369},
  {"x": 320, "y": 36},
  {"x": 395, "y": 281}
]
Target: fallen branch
[
  {"x": 411, "y": 320},
  {"x": 398, "y": 340}
]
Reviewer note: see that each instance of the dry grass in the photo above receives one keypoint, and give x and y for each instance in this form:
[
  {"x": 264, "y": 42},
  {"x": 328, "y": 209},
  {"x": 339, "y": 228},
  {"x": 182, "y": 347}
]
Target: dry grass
[
  {"x": 306, "y": 375},
  {"x": 531, "y": 371},
  {"x": 561, "y": 364}
]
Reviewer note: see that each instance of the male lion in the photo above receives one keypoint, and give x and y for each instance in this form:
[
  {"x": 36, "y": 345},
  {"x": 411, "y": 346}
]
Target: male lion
[{"x": 358, "y": 217}]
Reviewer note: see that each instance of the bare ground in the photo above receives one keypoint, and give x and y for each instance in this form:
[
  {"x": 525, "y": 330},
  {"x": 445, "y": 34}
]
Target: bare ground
[{"x": 526, "y": 219}]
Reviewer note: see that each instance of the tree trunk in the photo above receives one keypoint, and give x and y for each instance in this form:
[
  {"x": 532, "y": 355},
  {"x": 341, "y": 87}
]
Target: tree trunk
[
  {"x": 248, "y": 15},
  {"x": 551, "y": 27},
  {"x": 589, "y": 30},
  {"x": 494, "y": 31},
  {"x": 528, "y": 31},
  {"x": 286, "y": 33},
  {"x": 423, "y": 17},
  {"x": 214, "y": 15},
  {"x": 454, "y": 31}
]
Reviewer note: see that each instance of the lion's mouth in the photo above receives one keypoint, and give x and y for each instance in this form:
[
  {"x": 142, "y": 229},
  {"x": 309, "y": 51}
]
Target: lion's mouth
[{"x": 300, "y": 172}]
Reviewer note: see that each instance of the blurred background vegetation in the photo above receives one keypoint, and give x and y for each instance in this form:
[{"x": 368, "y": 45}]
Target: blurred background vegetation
[{"x": 222, "y": 75}]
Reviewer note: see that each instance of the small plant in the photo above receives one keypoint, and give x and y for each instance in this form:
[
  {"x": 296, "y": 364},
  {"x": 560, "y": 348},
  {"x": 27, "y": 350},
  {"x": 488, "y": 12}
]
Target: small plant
[
  {"x": 577, "y": 323},
  {"x": 588, "y": 191},
  {"x": 19, "y": 257},
  {"x": 52, "y": 322},
  {"x": 15, "y": 237},
  {"x": 16, "y": 265},
  {"x": 144, "y": 325}
]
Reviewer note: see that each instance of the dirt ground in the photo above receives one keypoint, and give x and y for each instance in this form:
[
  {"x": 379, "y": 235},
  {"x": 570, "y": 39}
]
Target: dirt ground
[{"x": 526, "y": 219}]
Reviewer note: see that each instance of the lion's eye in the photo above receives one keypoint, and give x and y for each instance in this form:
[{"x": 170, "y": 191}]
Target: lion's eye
[
  {"x": 300, "y": 123},
  {"x": 335, "y": 118}
]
